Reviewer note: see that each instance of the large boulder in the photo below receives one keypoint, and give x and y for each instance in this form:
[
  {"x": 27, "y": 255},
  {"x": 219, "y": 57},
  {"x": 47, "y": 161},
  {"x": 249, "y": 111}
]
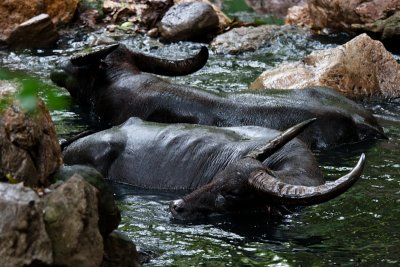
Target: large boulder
[
  {"x": 380, "y": 16},
  {"x": 358, "y": 69},
  {"x": 29, "y": 149},
  {"x": 71, "y": 217},
  {"x": 274, "y": 7},
  {"x": 23, "y": 237},
  {"x": 109, "y": 213},
  {"x": 56, "y": 226},
  {"x": 15, "y": 12},
  {"x": 189, "y": 21}
]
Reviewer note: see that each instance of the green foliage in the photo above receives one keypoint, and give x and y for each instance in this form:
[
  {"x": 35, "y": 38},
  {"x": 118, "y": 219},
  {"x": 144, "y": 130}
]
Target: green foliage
[
  {"x": 28, "y": 95},
  {"x": 3, "y": 74},
  {"x": 31, "y": 88},
  {"x": 11, "y": 179},
  {"x": 126, "y": 26},
  {"x": 4, "y": 102},
  {"x": 269, "y": 20}
]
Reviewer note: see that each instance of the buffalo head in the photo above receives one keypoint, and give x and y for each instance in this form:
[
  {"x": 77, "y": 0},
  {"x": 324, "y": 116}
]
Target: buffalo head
[
  {"x": 85, "y": 74},
  {"x": 248, "y": 185}
]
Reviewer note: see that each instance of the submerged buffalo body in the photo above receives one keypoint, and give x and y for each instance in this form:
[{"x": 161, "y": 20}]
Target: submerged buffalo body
[
  {"x": 114, "y": 84},
  {"x": 232, "y": 169}
]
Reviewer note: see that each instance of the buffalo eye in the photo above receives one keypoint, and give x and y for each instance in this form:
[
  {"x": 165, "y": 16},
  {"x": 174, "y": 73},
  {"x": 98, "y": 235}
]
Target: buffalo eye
[
  {"x": 233, "y": 194},
  {"x": 220, "y": 201}
]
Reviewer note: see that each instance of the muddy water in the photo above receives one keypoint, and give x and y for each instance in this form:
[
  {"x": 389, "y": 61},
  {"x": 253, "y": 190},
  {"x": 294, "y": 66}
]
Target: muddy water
[{"x": 359, "y": 228}]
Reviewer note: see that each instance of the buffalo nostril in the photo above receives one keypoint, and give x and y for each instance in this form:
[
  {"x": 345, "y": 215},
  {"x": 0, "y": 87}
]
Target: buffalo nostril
[{"x": 177, "y": 206}]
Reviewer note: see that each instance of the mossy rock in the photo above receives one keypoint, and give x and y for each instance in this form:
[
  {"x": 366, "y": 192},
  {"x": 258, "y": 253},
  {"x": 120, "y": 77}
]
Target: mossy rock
[{"x": 109, "y": 213}]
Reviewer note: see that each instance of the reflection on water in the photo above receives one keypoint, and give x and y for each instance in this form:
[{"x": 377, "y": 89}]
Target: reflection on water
[{"x": 359, "y": 228}]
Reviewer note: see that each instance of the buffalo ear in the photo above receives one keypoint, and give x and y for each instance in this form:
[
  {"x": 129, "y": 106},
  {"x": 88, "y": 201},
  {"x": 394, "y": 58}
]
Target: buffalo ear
[
  {"x": 94, "y": 56},
  {"x": 279, "y": 141}
]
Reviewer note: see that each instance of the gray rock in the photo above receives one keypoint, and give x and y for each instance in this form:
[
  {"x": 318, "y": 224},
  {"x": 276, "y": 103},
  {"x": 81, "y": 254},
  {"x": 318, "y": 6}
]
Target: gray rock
[
  {"x": 23, "y": 237},
  {"x": 62, "y": 227},
  {"x": 224, "y": 20},
  {"x": 109, "y": 214},
  {"x": 189, "y": 21},
  {"x": 245, "y": 39},
  {"x": 71, "y": 219}
]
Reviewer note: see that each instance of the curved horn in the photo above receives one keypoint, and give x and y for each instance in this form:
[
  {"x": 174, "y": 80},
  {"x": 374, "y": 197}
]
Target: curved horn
[
  {"x": 279, "y": 141},
  {"x": 94, "y": 56},
  {"x": 299, "y": 195},
  {"x": 171, "y": 67}
]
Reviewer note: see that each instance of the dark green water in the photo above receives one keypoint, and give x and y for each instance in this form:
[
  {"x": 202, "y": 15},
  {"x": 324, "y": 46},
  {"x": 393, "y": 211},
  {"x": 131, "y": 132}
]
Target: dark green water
[{"x": 359, "y": 228}]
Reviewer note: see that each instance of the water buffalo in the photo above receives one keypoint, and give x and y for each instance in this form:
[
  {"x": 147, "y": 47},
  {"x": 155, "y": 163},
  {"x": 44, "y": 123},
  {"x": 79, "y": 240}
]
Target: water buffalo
[
  {"x": 232, "y": 169},
  {"x": 113, "y": 83}
]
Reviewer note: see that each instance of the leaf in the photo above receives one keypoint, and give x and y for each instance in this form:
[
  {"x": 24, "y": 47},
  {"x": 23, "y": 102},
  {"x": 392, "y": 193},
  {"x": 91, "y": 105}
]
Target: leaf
[{"x": 11, "y": 179}]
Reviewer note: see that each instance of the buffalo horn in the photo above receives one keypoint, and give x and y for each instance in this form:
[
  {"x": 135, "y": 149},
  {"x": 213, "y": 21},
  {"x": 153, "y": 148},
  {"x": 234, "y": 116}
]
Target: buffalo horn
[
  {"x": 167, "y": 67},
  {"x": 288, "y": 194},
  {"x": 94, "y": 56},
  {"x": 282, "y": 139}
]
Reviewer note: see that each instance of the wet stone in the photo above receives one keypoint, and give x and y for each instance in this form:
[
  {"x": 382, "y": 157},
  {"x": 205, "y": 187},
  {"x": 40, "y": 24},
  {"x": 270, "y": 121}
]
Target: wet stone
[
  {"x": 71, "y": 216},
  {"x": 245, "y": 39},
  {"x": 109, "y": 214},
  {"x": 189, "y": 21},
  {"x": 224, "y": 20},
  {"x": 23, "y": 237}
]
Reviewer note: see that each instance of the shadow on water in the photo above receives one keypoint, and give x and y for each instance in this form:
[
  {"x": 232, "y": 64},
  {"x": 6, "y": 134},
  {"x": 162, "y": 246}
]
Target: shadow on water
[{"x": 256, "y": 227}]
